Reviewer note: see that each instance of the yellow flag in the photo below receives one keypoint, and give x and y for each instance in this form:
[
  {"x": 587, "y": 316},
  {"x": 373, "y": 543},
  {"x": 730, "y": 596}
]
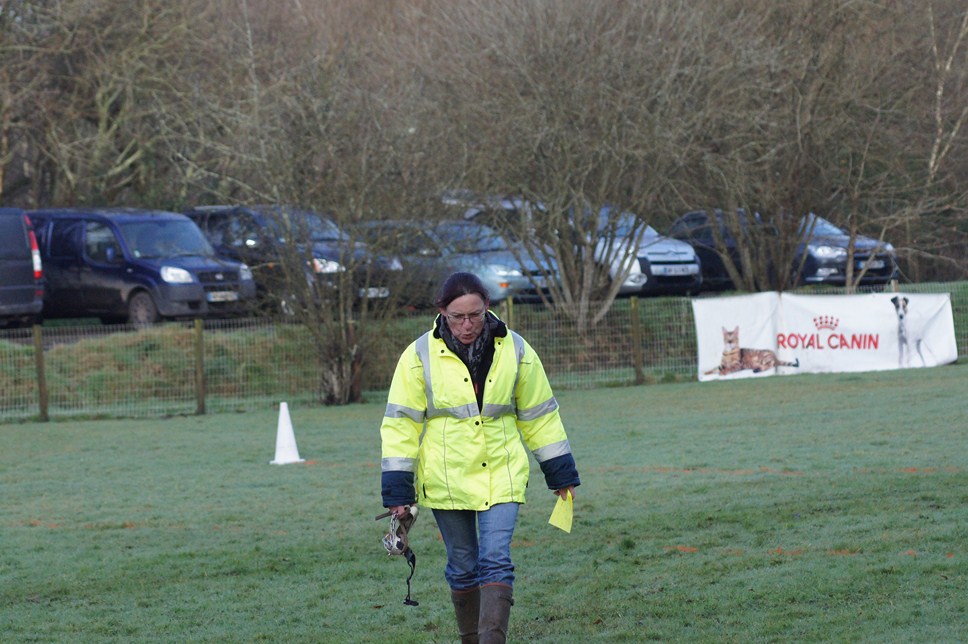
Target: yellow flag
[{"x": 563, "y": 513}]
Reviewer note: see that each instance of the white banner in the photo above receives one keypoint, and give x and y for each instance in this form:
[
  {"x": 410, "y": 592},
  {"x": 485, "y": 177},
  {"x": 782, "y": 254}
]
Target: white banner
[{"x": 771, "y": 333}]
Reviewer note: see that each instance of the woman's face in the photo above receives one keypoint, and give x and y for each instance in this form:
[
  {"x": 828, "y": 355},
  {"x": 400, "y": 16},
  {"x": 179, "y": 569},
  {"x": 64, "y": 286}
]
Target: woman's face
[{"x": 465, "y": 317}]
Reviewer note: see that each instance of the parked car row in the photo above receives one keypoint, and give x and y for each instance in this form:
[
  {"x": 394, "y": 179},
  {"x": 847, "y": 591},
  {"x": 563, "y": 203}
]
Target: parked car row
[
  {"x": 141, "y": 266},
  {"x": 691, "y": 257},
  {"x": 137, "y": 266},
  {"x": 657, "y": 265}
]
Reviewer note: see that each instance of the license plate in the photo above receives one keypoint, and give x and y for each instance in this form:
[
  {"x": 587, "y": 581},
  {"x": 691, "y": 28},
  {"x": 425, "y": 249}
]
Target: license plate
[
  {"x": 222, "y": 296},
  {"x": 874, "y": 264},
  {"x": 375, "y": 292},
  {"x": 682, "y": 269}
]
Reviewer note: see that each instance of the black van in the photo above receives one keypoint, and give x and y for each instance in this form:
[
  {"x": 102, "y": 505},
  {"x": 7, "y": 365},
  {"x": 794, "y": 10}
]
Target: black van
[
  {"x": 262, "y": 235},
  {"x": 139, "y": 266},
  {"x": 21, "y": 270}
]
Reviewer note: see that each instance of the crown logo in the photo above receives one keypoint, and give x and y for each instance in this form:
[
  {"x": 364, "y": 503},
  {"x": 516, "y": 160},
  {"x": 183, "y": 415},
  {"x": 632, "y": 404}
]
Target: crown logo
[{"x": 826, "y": 322}]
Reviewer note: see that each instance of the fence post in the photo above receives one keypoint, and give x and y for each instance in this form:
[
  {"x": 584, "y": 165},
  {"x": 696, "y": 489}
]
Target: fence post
[
  {"x": 636, "y": 333},
  {"x": 43, "y": 401},
  {"x": 509, "y": 308},
  {"x": 199, "y": 369}
]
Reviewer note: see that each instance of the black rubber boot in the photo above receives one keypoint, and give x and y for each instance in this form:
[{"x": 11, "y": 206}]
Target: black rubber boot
[
  {"x": 467, "y": 606},
  {"x": 496, "y": 602}
]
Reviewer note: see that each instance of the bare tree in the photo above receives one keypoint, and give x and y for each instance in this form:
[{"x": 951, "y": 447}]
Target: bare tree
[
  {"x": 308, "y": 126},
  {"x": 100, "y": 64},
  {"x": 568, "y": 106},
  {"x": 365, "y": 109},
  {"x": 837, "y": 130}
]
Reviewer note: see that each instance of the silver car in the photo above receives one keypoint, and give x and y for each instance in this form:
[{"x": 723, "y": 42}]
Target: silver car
[
  {"x": 431, "y": 251},
  {"x": 659, "y": 265}
]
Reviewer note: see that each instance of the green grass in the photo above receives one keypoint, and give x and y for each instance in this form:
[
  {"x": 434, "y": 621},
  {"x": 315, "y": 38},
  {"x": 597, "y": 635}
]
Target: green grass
[{"x": 800, "y": 508}]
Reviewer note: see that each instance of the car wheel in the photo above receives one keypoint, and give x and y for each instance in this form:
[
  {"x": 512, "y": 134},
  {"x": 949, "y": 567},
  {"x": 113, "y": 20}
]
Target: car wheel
[{"x": 142, "y": 311}]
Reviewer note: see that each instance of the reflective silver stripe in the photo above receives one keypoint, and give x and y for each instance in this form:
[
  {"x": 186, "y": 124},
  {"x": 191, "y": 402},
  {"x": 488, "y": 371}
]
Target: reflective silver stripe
[
  {"x": 464, "y": 411},
  {"x": 399, "y": 464},
  {"x": 423, "y": 353},
  {"x": 547, "y": 452},
  {"x": 519, "y": 355},
  {"x": 400, "y": 411},
  {"x": 538, "y": 411},
  {"x": 492, "y": 410},
  {"x": 518, "y": 345}
]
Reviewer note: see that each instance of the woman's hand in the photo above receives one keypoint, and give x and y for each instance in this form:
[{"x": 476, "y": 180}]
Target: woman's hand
[
  {"x": 566, "y": 490},
  {"x": 400, "y": 510}
]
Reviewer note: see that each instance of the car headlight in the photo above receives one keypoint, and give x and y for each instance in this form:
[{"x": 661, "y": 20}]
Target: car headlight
[
  {"x": 245, "y": 273},
  {"x": 327, "y": 266},
  {"x": 175, "y": 275},
  {"x": 505, "y": 271},
  {"x": 889, "y": 247},
  {"x": 829, "y": 252}
]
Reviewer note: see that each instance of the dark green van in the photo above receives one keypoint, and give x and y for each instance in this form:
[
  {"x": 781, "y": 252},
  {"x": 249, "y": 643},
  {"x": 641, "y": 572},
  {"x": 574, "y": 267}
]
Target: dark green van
[{"x": 21, "y": 270}]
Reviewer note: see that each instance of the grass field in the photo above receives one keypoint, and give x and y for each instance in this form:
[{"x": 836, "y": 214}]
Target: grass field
[{"x": 801, "y": 508}]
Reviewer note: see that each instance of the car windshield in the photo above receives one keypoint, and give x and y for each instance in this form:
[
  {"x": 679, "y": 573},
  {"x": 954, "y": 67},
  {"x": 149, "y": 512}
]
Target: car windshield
[
  {"x": 624, "y": 224},
  {"x": 309, "y": 225},
  {"x": 471, "y": 238},
  {"x": 165, "y": 238},
  {"x": 821, "y": 227},
  {"x": 627, "y": 225},
  {"x": 400, "y": 237}
]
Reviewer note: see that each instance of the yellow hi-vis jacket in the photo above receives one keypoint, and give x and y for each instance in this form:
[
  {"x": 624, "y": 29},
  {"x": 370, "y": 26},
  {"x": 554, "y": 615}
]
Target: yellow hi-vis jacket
[{"x": 466, "y": 458}]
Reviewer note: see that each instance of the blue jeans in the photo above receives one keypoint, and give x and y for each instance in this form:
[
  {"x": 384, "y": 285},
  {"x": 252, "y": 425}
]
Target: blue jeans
[{"x": 478, "y": 545}]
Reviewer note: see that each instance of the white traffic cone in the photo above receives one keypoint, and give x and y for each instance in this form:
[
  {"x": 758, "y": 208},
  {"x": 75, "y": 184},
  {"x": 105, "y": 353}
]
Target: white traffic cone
[{"x": 286, "y": 451}]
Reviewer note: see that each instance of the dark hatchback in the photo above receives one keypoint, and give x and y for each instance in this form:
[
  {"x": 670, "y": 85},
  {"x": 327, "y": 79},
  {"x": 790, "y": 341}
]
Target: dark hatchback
[
  {"x": 264, "y": 236},
  {"x": 21, "y": 270},
  {"x": 822, "y": 250},
  {"x": 138, "y": 266}
]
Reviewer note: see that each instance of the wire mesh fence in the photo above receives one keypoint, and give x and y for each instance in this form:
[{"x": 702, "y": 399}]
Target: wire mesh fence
[{"x": 182, "y": 368}]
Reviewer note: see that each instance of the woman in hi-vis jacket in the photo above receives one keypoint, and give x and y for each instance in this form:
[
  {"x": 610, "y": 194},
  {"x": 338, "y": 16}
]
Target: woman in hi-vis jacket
[{"x": 479, "y": 394}]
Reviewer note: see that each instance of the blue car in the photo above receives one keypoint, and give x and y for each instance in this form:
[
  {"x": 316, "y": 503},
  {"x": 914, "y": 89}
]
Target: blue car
[{"x": 136, "y": 266}]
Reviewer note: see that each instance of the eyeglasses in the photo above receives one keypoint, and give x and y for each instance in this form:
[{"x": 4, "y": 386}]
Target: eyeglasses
[{"x": 457, "y": 318}]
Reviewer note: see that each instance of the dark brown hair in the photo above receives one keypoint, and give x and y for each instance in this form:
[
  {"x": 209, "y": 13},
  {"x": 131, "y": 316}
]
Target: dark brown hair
[{"x": 459, "y": 284}]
